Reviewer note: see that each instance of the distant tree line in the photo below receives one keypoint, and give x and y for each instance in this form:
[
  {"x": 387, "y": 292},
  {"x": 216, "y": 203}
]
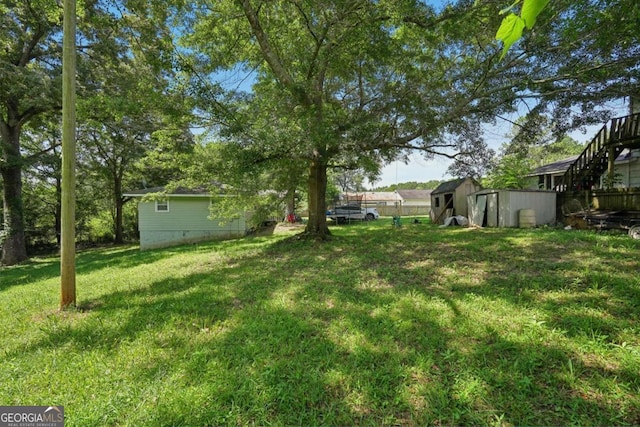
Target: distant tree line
[{"x": 411, "y": 185}]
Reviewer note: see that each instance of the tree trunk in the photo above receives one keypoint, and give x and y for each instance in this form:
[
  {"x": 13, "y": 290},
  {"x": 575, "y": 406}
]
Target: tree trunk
[
  {"x": 117, "y": 199},
  {"x": 14, "y": 249},
  {"x": 317, "y": 225},
  {"x": 290, "y": 201}
]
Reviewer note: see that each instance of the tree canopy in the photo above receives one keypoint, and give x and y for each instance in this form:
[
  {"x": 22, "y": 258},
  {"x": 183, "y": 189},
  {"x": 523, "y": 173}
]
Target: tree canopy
[
  {"x": 357, "y": 83},
  {"x": 110, "y": 36}
]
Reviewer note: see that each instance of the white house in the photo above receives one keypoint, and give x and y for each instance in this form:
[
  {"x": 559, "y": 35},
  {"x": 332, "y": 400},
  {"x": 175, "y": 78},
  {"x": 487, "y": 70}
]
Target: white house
[{"x": 416, "y": 197}]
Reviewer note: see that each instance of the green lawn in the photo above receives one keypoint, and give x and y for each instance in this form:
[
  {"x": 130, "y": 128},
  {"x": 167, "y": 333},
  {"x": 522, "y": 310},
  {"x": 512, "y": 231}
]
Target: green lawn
[{"x": 414, "y": 325}]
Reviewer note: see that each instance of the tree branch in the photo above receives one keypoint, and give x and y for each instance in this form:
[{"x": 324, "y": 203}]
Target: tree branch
[{"x": 270, "y": 55}]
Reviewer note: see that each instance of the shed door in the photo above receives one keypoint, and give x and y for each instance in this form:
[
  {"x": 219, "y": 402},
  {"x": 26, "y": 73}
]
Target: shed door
[
  {"x": 492, "y": 210},
  {"x": 478, "y": 212}
]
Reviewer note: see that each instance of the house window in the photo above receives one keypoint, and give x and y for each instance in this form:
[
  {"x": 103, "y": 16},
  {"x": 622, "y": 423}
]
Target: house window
[
  {"x": 162, "y": 206},
  {"x": 437, "y": 202}
]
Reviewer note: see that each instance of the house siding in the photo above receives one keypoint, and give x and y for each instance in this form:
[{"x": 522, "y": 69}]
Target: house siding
[
  {"x": 629, "y": 172},
  {"x": 634, "y": 173},
  {"x": 185, "y": 222}
]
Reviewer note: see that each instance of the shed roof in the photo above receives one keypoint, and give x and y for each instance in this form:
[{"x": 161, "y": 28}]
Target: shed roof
[
  {"x": 449, "y": 186},
  {"x": 511, "y": 190}
]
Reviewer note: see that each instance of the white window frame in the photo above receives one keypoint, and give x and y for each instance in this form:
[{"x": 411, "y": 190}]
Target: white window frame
[{"x": 162, "y": 203}]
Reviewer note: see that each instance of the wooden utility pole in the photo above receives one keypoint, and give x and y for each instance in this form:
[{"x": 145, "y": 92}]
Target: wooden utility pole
[{"x": 68, "y": 225}]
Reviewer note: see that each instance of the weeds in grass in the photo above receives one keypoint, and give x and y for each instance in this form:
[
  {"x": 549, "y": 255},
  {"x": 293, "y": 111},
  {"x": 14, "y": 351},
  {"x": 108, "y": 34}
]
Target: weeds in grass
[{"x": 413, "y": 325}]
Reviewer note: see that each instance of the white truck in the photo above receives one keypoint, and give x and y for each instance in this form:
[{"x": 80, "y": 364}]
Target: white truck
[{"x": 341, "y": 214}]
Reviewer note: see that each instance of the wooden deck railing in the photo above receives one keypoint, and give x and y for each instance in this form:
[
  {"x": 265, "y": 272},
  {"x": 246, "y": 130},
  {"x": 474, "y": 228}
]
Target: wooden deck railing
[{"x": 592, "y": 162}]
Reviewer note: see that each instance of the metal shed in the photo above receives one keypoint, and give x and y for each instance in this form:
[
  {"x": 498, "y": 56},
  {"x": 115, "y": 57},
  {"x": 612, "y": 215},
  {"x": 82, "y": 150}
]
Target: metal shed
[{"x": 504, "y": 208}]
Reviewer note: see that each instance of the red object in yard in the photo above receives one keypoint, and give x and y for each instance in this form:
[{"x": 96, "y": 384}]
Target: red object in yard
[{"x": 291, "y": 218}]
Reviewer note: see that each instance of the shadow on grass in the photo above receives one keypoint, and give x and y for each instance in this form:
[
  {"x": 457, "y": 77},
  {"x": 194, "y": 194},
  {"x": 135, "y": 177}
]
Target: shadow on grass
[
  {"x": 416, "y": 325},
  {"x": 93, "y": 260},
  {"x": 29, "y": 272},
  {"x": 89, "y": 261}
]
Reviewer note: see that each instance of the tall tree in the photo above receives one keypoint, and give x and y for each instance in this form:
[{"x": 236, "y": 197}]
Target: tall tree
[
  {"x": 118, "y": 119},
  {"x": 30, "y": 86},
  {"x": 31, "y": 69},
  {"x": 362, "y": 80},
  {"x": 41, "y": 149},
  {"x": 129, "y": 98}
]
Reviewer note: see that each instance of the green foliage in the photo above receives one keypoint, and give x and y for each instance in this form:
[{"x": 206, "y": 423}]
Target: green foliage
[
  {"x": 528, "y": 148},
  {"x": 509, "y": 173},
  {"x": 510, "y": 32},
  {"x": 116, "y": 88},
  {"x": 229, "y": 170},
  {"x": 414, "y": 325},
  {"x": 333, "y": 193},
  {"x": 99, "y": 228},
  {"x": 557, "y": 150},
  {"x": 610, "y": 182},
  {"x": 581, "y": 60},
  {"x": 170, "y": 154},
  {"x": 512, "y": 26},
  {"x": 349, "y": 180},
  {"x": 530, "y": 11}
]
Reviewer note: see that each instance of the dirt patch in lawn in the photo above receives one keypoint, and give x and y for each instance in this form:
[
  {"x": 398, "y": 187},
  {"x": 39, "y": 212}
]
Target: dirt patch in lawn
[{"x": 286, "y": 227}]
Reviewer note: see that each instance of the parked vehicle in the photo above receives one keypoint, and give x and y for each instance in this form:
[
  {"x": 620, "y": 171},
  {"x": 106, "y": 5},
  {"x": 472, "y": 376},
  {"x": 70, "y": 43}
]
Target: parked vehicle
[
  {"x": 341, "y": 214},
  {"x": 371, "y": 214},
  {"x": 345, "y": 213}
]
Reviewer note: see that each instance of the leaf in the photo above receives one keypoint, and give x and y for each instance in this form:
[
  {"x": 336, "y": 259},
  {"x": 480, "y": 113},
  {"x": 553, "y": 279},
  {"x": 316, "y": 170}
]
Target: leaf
[
  {"x": 510, "y": 31},
  {"x": 530, "y": 11},
  {"x": 509, "y": 8}
]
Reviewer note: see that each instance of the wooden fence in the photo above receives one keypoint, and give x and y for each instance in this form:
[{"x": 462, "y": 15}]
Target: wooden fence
[
  {"x": 404, "y": 210},
  {"x": 616, "y": 199},
  {"x": 393, "y": 211}
]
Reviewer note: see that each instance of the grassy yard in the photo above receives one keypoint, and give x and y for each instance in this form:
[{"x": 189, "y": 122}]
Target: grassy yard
[{"x": 397, "y": 326}]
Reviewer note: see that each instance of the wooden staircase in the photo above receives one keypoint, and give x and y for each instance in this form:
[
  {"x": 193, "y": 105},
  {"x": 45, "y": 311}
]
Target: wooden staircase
[{"x": 619, "y": 133}]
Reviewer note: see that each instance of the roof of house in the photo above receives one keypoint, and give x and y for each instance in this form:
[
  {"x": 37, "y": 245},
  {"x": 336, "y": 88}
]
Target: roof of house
[
  {"x": 415, "y": 194},
  {"x": 378, "y": 196},
  {"x": 178, "y": 191},
  {"x": 561, "y": 166},
  {"x": 449, "y": 186},
  {"x": 555, "y": 167}
]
